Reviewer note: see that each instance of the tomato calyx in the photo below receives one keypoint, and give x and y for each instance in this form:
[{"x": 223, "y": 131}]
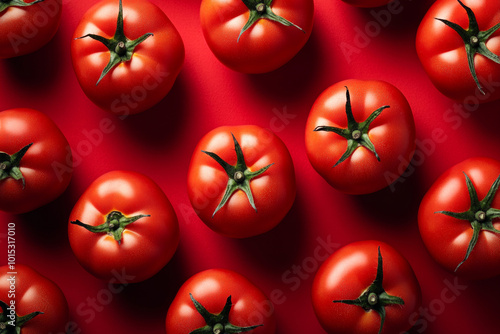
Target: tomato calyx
[
  {"x": 480, "y": 214},
  {"x": 355, "y": 133},
  {"x": 261, "y": 9},
  {"x": 121, "y": 48},
  {"x": 4, "y": 4},
  {"x": 10, "y": 165},
  {"x": 218, "y": 323},
  {"x": 115, "y": 224},
  {"x": 239, "y": 176},
  {"x": 12, "y": 324},
  {"x": 475, "y": 41},
  {"x": 374, "y": 298}
]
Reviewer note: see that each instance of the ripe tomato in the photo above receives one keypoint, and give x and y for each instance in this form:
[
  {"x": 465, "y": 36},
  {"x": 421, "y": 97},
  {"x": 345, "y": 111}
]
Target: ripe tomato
[
  {"x": 364, "y": 288},
  {"x": 456, "y": 43},
  {"x": 27, "y": 25},
  {"x": 244, "y": 193},
  {"x": 367, "y": 3},
  {"x": 256, "y": 36},
  {"x": 39, "y": 304},
  {"x": 459, "y": 219},
  {"x": 127, "y": 67},
  {"x": 360, "y": 158},
  {"x": 35, "y": 160},
  {"x": 123, "y": 221},
  {"x": 219, "y": 299}
]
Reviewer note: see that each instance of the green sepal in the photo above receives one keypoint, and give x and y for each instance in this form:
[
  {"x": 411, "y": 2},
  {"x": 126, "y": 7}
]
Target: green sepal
[
  {"x": 115, "y": 224},
  {"x": 15, "y": 3},
  {"x": 475, "y": 41},
  {"x": 239, "y": 176},
  {"x": 355, "y": 133},
  {"x": 260, "y": 9},
  {"x": 218, "y": 323},
  {"x": 480, "y": 214},
  {"x": 375, "y": 298},
  {"x": 10, "y": 165},
  {"x": 19, "y": 322},
  {"x": 121, "y": 48}
]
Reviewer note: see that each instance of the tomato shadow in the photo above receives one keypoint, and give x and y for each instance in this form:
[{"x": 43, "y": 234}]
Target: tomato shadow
[
  {"x": 399, "y": 19},
  {"x": 149, "y": 300},
  {"x": 46, "y": 228},
  {"x": 161, "y": 124},
  {"x": 486, "y": 119},
  {"x": 275, "y": 251},
  {"x": 27, "y": 72},
  {"x": 286, "y": 84},
  {"x": 395, "y": 207}
]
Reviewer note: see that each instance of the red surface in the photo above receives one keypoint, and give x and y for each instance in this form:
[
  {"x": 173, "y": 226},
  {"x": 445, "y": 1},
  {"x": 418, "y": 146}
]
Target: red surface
[{"x": 160, "y": 142}]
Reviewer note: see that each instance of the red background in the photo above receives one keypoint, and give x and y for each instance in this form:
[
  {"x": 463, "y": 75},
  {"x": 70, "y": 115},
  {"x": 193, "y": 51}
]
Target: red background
[{"x": 160, "y": 142}]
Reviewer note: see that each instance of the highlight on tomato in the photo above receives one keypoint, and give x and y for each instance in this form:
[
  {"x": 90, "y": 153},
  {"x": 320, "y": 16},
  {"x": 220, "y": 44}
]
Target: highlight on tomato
[
  {"x": 220, "y": 301},
  {"x": 30, "y": 303},
  {"x": 456, "y": 44},
  {"x": 128, "y": 64},
  {"x": 360, "y": 135},
  {"x": 36, "y": 164},
  {"x": 123, "y": 222},
  {"x": 365, "y": 287},
  {"x": 27, "y": 25},
  {"x": 256, "y": 36},
  {"x": 241, "y": 180},
  {"x": 459, "y": 219}
]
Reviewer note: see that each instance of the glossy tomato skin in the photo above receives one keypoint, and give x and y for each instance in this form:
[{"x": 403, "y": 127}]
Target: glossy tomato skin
[
  {"x": 347, "y": 273},
  {"x": 211, "y": 288},
  {"x": 442, "y": 52},
  {"x": 47, "y": 166},
  {"x": 147, "y": 244},
  {"x": 273, "y": 192},
  {"x": 447, "y": 238},
  {"x": 367, "y": 3},
  {"x": 35, "y": 293},
  {"x": 24, "y": 30},
  {"x": 392, "y": 133},
  {"x": 262, "y": 48},
  {"x": 136, "y": 85}
]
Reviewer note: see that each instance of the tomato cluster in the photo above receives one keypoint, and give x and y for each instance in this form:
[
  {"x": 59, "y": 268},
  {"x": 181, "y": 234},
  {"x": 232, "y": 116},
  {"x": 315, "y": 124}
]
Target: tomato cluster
[{"x": 360, "y": 136}]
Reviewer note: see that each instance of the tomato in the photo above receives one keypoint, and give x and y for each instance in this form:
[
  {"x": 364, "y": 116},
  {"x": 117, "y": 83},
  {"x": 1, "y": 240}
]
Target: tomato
[
  {"x": 128, "y": 67},
  {"x": 457, "y": 45},
  {"x": 219, "y": 299},
  {"x": 39, "y": 304},
  {"x": 360, "y": 135},
  {"x": 123, "y": 221},
  {"x": 241, "y": 180},
  {"x": 35, "y": 160},
  {"x": 367, "y": 3},
  {"x": 459, "y": 219},
  {"x": 364, "y": 288},
  {"x": 256, "y": 36},
  {"x": 27, "y": 25}
]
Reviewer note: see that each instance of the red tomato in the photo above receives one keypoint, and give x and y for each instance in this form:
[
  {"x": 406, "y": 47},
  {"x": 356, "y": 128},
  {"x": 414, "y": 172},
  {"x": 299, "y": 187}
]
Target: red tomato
[
  {"x": 39, "y": 304},
  {"x": 209, "y": 293},
  {"x": 252, "y": 193},
  {"x": 26, "y": 26},
  {"x": 443, "y": 52},
  {"x": 35, "y": 160},
  {"x": 463, "y": 235},
  {"x": 123, "y": 221},
  {"x": 142, "y": 70},
  {"x": 367, "y": 3},
  {"x": 379, "y": 276},
  {"x": 252, "y": 37},
  {"x": 362, "y": 154}
]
